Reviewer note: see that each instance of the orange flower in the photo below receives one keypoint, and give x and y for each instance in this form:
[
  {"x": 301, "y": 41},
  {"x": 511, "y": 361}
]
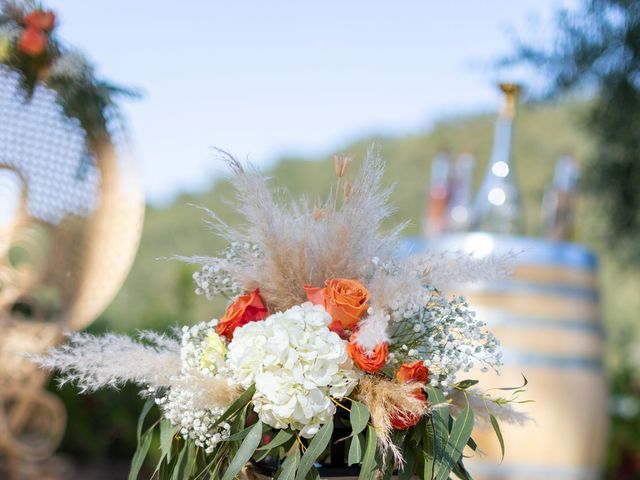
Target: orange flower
[
  {"x": 32, "y": 41},
  {"x": 404, "y": 420},
  {"x": 246, "y": 308},
  {"x": 410, "y": 372},
  {"x": 345, "y": 300},
  {"x": 413, "y": 372},
  {"x": 40, "y": 19},
  {"x": 370, "y": 362},
  {"x": 336, "y": 327}
]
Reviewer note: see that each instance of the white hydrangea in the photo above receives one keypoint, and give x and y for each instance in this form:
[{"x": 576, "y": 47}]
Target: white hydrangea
[{"x": 297, "y": 364}]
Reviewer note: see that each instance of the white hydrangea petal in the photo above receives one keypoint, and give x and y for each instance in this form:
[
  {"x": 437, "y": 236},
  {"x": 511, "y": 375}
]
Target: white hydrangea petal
[{"x": 297, "y": 364}]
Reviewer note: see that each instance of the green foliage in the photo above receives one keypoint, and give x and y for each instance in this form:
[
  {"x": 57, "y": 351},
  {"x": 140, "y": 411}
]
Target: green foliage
[
  {"x": 433, "y": 448},
  {"x": 315, "y": 449},
  {"x": 358, "y": 417}
]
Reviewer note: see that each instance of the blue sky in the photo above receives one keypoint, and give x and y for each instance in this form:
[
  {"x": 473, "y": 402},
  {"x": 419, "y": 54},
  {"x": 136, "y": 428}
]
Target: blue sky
[{"x": 260, "y": 78}]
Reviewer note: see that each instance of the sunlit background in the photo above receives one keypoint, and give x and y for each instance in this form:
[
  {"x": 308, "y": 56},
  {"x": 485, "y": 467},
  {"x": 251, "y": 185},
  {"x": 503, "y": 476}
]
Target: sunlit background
[{"x": 262, "y": 80}]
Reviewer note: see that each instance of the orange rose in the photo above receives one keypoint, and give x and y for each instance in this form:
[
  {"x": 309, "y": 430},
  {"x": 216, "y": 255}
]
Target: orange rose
[
  {"x": 40, "y": 19},
  {"x": 404, "y": 420},
  {"x": 32, "y": 41},
  {"x": 410, "y": 372},
  {"x": 346, "y": 300},
  {"x": 370, "y": 362},
  {"x": 246, "y": 308}
]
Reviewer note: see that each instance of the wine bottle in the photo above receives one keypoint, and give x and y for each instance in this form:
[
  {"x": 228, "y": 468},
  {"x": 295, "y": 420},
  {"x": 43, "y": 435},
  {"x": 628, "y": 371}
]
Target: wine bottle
[
  {"x": 438, "y": 195},
  {"x": 459, "y": 214},
  {"x": 497, "y": 207},
  {"x": 559, "y": 201}
]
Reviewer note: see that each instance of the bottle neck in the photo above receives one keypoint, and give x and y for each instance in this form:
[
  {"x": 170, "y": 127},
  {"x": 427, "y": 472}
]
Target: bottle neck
[{"x": 502, "y": 143}]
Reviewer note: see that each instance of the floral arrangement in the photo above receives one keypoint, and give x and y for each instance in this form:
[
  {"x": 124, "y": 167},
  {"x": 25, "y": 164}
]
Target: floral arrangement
[
  {"x": 29, "y": 45},
  {"x": 329, "y": 339}
]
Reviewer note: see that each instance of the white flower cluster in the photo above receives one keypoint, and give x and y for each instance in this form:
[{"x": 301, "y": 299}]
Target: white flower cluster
[
  {"x": 297, "y": 364},
  {"x": 214, "y": 279},
  {"x": 443, "y": 333},
  {"x": 178, "y": 406},
  {"x": 202, "y": 349},
  {"x": 202, "y": 354}
]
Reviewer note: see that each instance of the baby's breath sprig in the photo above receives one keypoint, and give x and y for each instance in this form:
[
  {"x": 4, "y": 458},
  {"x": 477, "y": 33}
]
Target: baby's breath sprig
[{"x": 444, "y": 334}]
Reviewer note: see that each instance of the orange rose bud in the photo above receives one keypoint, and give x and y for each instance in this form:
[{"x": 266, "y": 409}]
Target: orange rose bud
[
  {"x": 346, "y": 300},
  {"x": 370, "y": 362},
  {"x": 246, "y": 308},
  {"x": 32, "y": 41},
  {"x": 413, "y": 372},
  {"x": 40, "y": 19},
  {"x": 336, "y": 327},
  {"x": 410, "y": 372},
  {"x": 315, "y": 294},
  {"x": 404, "y": 420}
]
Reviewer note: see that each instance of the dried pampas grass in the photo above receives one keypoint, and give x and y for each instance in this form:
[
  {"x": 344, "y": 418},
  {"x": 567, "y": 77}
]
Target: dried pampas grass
[
  {"x": 297, "y": 245},
  {"x": 483, "y": 408},
  {"x": 208, "y": 391},
  {"x": 449, "y": 270},
  {"x": 113, "y": 360},
  {"x": 386, "y": 399}
]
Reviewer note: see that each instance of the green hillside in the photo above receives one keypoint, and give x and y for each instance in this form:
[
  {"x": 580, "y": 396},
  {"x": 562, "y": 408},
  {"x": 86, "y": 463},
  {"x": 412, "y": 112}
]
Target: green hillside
[{"x": 159, "y": 292}]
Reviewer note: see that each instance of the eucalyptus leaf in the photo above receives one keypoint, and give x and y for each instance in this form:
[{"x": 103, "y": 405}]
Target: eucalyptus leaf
[
  {"x": 192, "y": 460},
  {"x": 461, "y": 472},
  {"x": 249, "y": 445},
  {"x": 289, "y": 467},
  {"x": 440, "y": 425},
  {"x": 140, "y": 454},
  {"x": 359, "y": 417},
  {"x": 369, "y": 460},
  {"x": 460, "y": 433},
  {"x": 317, "y": 445},
  {"x": 240, "y": 402},
  {"x": 428, "y": 449},
  {"x": 356, "y": 449},
  {"x": 143, "y": 414},
  {"x": 464, "y": 384},
  {"x": 281, "y": 437},
  {"x": 525, "y": 382},
  {"x": 410, "y": 461},
  {"x": 167, "y": 432},
  {"x": 496, "y": 428},
  {"x": 181, "y": 463},
  {"x": 313, "y": 474},
  {"x": 471, "y": 443}
]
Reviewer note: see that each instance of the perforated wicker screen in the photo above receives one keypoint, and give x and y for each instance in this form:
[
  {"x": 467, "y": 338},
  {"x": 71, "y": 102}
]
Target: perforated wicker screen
[{"x": 69, "y": 219}]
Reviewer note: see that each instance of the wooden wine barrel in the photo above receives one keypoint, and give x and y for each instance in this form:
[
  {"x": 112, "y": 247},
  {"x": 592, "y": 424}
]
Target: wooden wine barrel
[{"x": 547, "y": 317}]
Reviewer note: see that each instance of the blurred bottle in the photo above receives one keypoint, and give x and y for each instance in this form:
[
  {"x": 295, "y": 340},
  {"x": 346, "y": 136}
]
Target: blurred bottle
[
  {"x": 497, "y": 208},
  {"x": 438, "y": 195},
  {"x": 559, "y": 201},
  {"x": 459, "y": 213}
]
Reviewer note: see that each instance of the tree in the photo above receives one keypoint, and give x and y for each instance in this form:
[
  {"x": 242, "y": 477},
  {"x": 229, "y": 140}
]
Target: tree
[{"x": 597, "y": 49}]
